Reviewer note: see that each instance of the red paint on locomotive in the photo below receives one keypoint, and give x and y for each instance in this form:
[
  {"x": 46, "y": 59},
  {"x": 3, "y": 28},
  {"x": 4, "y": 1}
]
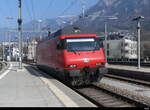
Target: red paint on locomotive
[{"x": 62, "y": 58}]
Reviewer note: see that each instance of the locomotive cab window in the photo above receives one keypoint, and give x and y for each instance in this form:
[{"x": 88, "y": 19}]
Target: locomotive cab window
[
  {"x": 60, "y": 44},
  {"x": 82, "y": 44}
]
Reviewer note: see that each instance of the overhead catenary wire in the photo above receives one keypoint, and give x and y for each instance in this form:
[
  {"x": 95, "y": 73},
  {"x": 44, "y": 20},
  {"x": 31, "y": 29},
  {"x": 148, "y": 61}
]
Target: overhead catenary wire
[
  {"x": 69, "y": 7},
  {"x": 9, "y": 7},
  {"x": 1, "y": 12},
  {"x": 47, "y": 8},
  {"x": 28, "y": 11},
  {"x": 32, "y": 8},
  {"x": 33, "y": 12}
]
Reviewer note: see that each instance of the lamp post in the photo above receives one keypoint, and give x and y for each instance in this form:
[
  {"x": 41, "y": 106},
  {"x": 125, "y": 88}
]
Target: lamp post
[
  {"x": 106, "y": 35},
  {"x": 138, "y": 35},
  {"x": 3, "y": 50}
]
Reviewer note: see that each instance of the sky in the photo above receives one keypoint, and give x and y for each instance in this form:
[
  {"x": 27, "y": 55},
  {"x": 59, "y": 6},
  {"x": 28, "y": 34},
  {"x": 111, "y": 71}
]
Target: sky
[{"x": 39, "y": 10}]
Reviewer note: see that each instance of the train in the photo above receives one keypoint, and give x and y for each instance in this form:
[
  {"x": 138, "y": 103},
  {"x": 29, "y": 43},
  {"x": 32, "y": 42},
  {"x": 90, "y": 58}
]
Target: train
[{"x": 73, "y": 55}]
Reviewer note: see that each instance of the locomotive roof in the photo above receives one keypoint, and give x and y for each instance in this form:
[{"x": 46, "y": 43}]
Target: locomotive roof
[
  {"x": 69, "y": 30},
  {"x": 73, "y": 30}
]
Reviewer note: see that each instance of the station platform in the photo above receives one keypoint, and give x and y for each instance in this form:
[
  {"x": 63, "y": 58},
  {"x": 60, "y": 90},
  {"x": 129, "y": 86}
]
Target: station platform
[
  {"x": 32, "y": 88},
  {"x": 131, "y": 68},
  {"x": 130, "y": 71}
]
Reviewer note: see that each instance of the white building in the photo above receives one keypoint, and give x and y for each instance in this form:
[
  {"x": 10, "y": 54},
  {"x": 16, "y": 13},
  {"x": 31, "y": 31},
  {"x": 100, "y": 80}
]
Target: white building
[
  {"x": 15, "y": 53},
  {"x": 122, "y": 48}
]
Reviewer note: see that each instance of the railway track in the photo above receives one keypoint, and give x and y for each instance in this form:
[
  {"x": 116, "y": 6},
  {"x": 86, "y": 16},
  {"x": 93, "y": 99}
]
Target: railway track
[
  {"x": 130, "y": 63},
  {"x": 104, "y": 98},
  {"x": 131, "y": 80}
]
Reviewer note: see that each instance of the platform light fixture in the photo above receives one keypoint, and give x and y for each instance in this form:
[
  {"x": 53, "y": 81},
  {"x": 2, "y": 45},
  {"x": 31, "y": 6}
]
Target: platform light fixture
[{"x": 138, "y": 35}]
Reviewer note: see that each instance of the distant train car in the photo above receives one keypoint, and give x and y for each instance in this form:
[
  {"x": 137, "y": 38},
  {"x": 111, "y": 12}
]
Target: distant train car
[{"x": 73, "y": 55}]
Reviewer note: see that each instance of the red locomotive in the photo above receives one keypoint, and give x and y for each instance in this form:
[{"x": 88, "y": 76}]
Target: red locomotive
[{"x": 73, "y": 55}]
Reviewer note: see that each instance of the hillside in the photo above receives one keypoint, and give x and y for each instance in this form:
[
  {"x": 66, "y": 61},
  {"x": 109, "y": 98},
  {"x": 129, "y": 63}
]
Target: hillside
[{"x": 124, "y": 10}]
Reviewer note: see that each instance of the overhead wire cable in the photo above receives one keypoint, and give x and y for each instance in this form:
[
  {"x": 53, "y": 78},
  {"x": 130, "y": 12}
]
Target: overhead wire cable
[
  {"x": 32, "y": 7},
  {"x": 28, "y": 11},
  {"x": 33, "y": 12},
  {"x": 47, "y": 8},
  {"x": 70, "y": 6},
  {"x": 9, "y": 7}
]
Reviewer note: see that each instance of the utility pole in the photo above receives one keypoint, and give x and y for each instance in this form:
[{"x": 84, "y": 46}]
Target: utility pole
[
  {"x": 9, "y": 46},
  {"x": 3, "y": 49},
  {"x": 138, "y": 35},
  {"x": 20, "y": 33},
  {"x": 106, "y": 35},
  {"x": 139, "y": 44},
  {"x": 83, "y": 9},
  {"x": 40, "y": 21}
]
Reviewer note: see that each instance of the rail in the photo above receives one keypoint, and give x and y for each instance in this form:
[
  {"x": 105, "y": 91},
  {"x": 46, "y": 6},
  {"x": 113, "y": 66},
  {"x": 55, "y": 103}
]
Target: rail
[{"x": 105, "y": 98}]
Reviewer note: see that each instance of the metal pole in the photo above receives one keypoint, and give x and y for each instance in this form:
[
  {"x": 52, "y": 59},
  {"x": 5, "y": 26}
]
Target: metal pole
[
  {"x": 40, "y": 21},
  {"x": 4, "y": 47},
  {"x": 83, "y": 10},
  {"x": 9, "y": 46},
  {"x": 3, "y": 50},
  {"x": 106, "y": 43},
  {"x": 20, "y": 34},
  {"x": 138, "y": 36},
  {"x": 138, "y": 32},
  {"x": 16, "y": 50}
]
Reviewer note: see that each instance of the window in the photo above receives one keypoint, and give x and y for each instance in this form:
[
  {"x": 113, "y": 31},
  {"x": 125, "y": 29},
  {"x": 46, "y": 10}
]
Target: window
[
  {"x": 108, "y": 52},
  {"x": 60, "y": 44},
  {"x": 126, "y": 51},
  {"x": 82, "y": 44},
  {"x": 121, "y": 50},
  {"x": 121, "y": 44},
  {"x": 107, "y": 46},
  {"x": 126, "y": 44}
]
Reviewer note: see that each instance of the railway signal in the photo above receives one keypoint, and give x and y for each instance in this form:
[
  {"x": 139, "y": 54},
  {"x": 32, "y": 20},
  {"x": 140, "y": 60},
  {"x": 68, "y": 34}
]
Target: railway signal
[{"x": 138, "y": 35}]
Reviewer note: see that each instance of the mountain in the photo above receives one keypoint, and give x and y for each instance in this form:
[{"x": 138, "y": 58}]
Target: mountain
[
  {"x": 124, "y": 10},
  {"x": 52, "y": 24},
  {"x": 97, "y": 15}
]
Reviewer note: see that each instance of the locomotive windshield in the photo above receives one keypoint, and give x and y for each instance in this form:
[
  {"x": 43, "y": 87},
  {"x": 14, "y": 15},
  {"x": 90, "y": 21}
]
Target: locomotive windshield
[{"x": 82, "y": 44}]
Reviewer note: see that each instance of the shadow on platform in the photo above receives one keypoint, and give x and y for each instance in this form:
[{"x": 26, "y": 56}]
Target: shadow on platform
[{"x": 36, "y": 72}]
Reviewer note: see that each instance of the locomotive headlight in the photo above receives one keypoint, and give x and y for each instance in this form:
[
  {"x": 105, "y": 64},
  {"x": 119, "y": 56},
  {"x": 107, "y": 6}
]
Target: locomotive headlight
[
  {"x": 72, "y": 66},
  {"x": 98, "y": 64},
  {"x": 86, "y": 60}
]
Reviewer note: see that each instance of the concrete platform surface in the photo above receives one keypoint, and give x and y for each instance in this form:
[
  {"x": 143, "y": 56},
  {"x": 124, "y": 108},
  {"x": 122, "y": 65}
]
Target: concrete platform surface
[
  {"x": 29, "y": 88},
  {"x": 130, "y": 68},
  {"x": 134, "y": 91}
]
